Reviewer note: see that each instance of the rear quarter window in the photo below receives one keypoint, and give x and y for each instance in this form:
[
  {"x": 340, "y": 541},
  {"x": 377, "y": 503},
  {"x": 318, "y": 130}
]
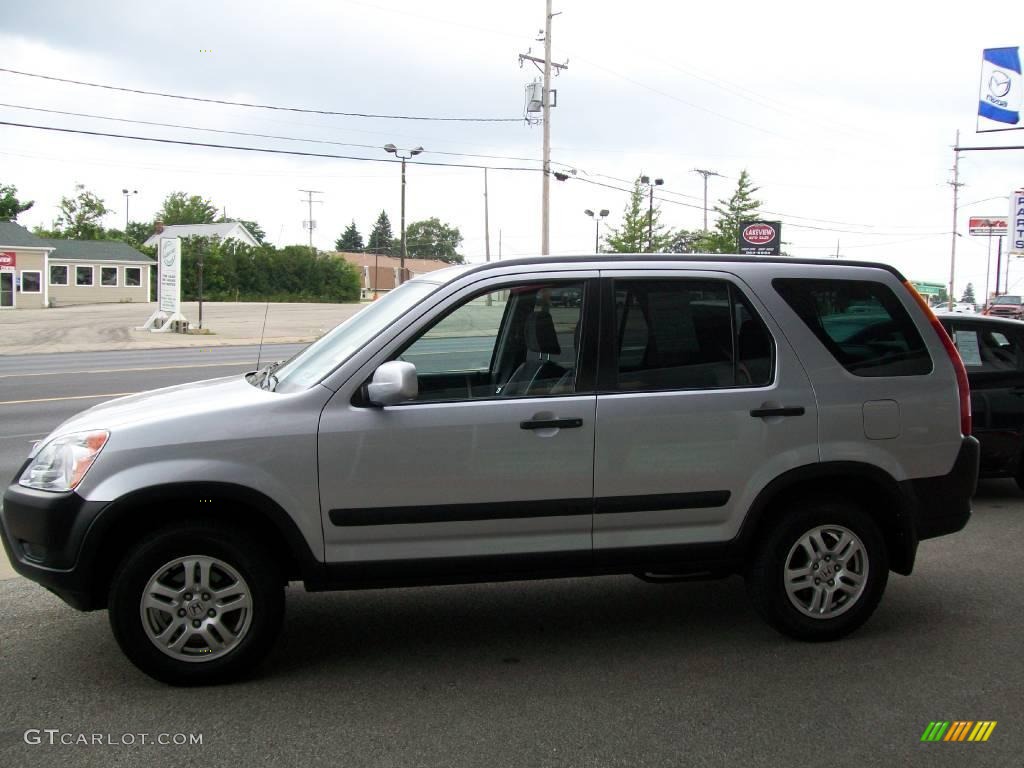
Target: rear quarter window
[{"x": 861, "y": 323}]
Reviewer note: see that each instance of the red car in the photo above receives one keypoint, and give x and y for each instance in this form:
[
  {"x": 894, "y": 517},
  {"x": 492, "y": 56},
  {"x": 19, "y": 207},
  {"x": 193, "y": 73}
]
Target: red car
[{"x": 1006, "y": 306}]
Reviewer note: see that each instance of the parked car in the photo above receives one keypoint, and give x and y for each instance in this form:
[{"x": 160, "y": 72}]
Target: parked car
[
  {"x": 801, "y": 423},
  {"x": 1006, "y": 306},
  {"x": 993, "y": 353}
]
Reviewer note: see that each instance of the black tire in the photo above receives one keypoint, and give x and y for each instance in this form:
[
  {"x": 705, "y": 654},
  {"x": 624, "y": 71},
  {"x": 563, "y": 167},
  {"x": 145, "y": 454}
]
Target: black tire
[
  {"x": 766, "y": 581},
  {"x": 246, "y": 555}
]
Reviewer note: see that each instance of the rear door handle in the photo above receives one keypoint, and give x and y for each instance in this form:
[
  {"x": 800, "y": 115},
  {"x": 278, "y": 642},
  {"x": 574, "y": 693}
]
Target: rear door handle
[
  {"x": 551, "y": 424},
  {"x": 761, "y": 413}
]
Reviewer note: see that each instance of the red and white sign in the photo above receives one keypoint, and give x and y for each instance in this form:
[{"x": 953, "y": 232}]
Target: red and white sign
[
  {"x": 759, "y": 234},
  {"x": 991, "y": 226},
  {"x": 8, "y": 261},
  {"x": 1017, "y": 221}
]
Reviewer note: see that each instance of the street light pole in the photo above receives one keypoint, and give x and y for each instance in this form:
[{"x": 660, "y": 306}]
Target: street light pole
[
  {"x": 127, "y": 197},
  {"x": 397, "y": 153},
  {"x": 650, "y": 208},
  {"x": 597, "y": 226}
]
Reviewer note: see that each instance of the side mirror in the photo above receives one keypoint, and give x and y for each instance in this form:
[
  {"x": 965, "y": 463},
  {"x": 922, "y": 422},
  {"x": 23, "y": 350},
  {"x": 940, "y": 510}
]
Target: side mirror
[{"x": 392, "y": 383}]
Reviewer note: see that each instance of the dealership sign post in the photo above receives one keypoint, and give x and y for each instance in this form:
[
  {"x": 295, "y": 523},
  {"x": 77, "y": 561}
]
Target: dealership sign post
[
  {"x": 760, "y": 238},
  {"x": 168, "y": 300}
]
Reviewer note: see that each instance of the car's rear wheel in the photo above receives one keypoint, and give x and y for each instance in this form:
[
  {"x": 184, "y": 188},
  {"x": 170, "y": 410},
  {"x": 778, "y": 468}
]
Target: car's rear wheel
[
  {"x": 821, "y": 571},
  {"x": 196, "y": 604}
]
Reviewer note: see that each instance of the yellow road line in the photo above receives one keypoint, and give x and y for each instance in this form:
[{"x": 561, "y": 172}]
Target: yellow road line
[
  {"x": 70, "y": 397},
  {"x": 123, "y": 370}
]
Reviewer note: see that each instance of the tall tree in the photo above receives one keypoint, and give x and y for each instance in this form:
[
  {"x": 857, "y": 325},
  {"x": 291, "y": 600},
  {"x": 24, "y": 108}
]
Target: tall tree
[
  {"x": 740, "y": 207},
  {"x": 180, "y": 208},
  {"x": 968, "y": 297},
  {"x": 641, "y": 230},
  {"x": 10, "y": 205},
  {"x": 79, "y": 217},
  {"x": 433, "y": 239},
  {"x": 350, "y": 241},
  {"x": 381, "y": 239}
]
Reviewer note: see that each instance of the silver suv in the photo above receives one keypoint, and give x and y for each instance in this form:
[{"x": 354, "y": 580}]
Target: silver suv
[{"x": 803, "y": 424}]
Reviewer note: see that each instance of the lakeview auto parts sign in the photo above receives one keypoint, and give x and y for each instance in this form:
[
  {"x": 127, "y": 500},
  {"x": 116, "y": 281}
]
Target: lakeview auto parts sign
[
  {"x": 1017, "y": 223},
  {"x": 760, "y": 238}
]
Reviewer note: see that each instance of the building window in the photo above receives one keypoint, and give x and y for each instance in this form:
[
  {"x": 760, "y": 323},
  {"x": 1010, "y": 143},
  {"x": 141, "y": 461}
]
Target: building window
[
  {"x": 133, "y": 277},
  {"x": 58, "y": 274},
  {"x": 31, "y": 282},
  {"x": 83, "y": 276},
  {"x": 108, "y": 277}
]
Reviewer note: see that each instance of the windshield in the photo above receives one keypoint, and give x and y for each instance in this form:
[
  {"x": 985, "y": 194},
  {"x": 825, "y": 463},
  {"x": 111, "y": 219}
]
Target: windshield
[
  {"x": 328, "y": 352},
  {"x": 1015, "y": 300}
]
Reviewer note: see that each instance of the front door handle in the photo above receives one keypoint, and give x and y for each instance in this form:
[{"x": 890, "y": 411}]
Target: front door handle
[
  {"x": 551, "y": 424},
  {"x": 761, "y": 413}
]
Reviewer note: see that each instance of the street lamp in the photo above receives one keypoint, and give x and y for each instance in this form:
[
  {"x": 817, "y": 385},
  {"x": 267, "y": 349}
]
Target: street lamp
[
  {"x": 398, "y": 153},
  {"x": 597, "y": 225},
  {"x": 127, "y": 195},
  {"x": 650, "y": 208}
]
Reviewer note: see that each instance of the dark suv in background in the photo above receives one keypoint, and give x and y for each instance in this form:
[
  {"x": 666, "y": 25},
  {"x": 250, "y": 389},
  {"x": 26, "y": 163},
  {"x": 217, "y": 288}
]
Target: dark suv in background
[{"x": 992, "y": 349}]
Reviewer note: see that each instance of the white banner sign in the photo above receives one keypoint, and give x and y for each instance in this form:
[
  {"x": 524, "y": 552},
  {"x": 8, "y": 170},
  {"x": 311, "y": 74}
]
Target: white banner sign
[
  {"x": 170, "y": 275},
  {"x": 1001, "y": 92},
  {"x": 1017, "y": 223}
]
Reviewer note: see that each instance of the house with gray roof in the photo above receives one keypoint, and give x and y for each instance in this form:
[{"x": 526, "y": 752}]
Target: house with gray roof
[
  {"x": 40, "y": 272},
  {"x": 225, "y": 230}
]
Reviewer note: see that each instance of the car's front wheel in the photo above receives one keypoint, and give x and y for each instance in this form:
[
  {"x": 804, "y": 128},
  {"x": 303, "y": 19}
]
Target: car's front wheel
[
  {"x": 821, "y": 572},
  {"x": 196, "y": 604}
]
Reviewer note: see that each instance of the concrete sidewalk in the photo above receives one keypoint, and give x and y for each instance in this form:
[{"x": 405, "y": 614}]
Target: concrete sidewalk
[{"x": 97, "y": 327}]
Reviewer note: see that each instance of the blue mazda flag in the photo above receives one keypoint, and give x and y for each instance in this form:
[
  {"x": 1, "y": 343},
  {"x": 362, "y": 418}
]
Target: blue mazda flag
[{"x": 1002, "y": 92}]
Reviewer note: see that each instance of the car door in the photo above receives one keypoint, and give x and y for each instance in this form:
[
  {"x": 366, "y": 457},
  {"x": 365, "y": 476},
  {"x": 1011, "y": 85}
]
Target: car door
[
  {"x": 993, "y": 354},
  {"x": 490, "y": 469},
  {"x": 701, "y": 403}
]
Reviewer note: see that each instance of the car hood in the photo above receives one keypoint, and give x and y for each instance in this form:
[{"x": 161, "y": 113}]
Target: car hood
[{"x": 181, "y": 401}]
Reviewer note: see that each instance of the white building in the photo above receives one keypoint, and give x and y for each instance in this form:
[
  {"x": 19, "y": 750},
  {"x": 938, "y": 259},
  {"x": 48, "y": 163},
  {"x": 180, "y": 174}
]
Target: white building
[{"x": 225, "y": 230}]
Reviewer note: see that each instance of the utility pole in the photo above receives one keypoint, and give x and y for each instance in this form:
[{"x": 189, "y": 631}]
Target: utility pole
[
  {"x": 705, "y": 174},
  {"x": 545, "y": 215},
  {"x": 392, "y": 149},
  {"x": 487, "y": 225},
  {"x": 956, "y": 202},
  {"x": 545, "y": 65},
  {"x": 310, "y": 224}
]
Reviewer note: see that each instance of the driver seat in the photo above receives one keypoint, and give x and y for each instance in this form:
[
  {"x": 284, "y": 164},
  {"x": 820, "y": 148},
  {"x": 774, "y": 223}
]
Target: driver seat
[{"x": 536, "y": 376}]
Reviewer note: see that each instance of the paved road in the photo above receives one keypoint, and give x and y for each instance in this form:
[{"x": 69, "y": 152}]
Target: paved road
[
  {"x": 600, "y": 672},
  {"x": 607, "y": 671}
]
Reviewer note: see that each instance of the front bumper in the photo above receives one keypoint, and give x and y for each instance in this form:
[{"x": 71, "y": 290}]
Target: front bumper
[{"x": 44, "y": 535}]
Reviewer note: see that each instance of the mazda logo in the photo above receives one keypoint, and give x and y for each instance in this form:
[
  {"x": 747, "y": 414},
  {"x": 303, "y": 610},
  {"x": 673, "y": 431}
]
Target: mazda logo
[{"x": 999, "y": 84}]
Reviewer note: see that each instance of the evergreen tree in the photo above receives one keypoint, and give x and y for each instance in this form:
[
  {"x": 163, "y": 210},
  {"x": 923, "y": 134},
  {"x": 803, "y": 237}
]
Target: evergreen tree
[
  {"x": 382, "y": 240},
  {"x": 740, "y": 207},
  {"x": 968, "y": 297},
  {"x": 350, "y": 241},
  {"x": 641, "y": 230}
]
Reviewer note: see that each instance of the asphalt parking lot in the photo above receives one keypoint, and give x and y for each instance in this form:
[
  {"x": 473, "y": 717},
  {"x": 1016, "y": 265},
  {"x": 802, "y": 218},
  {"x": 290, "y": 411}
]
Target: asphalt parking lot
[{"x": 607, "y": 671}]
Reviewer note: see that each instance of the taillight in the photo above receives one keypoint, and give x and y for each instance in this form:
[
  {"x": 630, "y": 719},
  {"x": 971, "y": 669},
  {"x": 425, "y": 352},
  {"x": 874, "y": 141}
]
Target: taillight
[{"x": 962, "y": 385}]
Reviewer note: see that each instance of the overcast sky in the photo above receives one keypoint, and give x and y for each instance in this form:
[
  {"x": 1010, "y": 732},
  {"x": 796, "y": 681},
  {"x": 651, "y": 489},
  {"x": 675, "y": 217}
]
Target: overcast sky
[{"x": 844, "y": 118}]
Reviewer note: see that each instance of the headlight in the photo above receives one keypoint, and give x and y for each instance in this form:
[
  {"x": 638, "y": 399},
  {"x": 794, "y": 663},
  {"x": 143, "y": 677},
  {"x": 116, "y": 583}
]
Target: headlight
[{"x": 61, "y": 464}]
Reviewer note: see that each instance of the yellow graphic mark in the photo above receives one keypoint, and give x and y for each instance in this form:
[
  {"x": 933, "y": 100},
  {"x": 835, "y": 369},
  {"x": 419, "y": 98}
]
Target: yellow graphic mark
[
  {"x": 969, "y": 730},
  {"x": 982, "y": 730}
]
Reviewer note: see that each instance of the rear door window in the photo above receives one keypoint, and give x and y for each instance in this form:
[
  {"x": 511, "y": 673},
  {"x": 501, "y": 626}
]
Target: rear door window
[
  {"x": 861, "y": 323},
  {"x": 687, "y": 334}
]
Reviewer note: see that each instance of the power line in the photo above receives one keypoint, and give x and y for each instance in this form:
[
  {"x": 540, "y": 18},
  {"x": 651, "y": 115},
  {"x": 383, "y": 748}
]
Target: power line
[
  {"x": 226, "y": 102},
  {"x": 251, "y": 134},
  {"x": 266, "y": 150}
]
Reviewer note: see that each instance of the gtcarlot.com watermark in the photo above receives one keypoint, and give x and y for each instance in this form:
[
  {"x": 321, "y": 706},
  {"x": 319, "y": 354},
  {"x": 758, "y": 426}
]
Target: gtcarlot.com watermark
[{"x": 57, "y": 737}]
